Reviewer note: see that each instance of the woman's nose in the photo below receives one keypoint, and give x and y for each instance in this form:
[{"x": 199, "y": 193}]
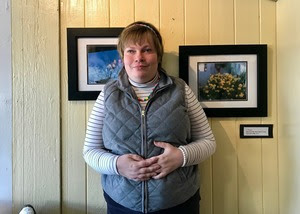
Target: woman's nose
[{"x": 139, "y": 57}]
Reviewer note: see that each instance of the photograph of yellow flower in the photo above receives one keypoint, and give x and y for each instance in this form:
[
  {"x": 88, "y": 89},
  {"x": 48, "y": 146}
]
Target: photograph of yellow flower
[
  {"x": 222, "y": 81},
  {"x": 228, "y": 80}
]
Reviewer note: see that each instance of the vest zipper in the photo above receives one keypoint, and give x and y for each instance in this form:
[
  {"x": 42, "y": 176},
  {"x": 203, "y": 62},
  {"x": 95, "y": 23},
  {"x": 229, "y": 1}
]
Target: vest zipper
[
  {"x": 144, "y": 154},
  {"x": 144, "y": 149}
]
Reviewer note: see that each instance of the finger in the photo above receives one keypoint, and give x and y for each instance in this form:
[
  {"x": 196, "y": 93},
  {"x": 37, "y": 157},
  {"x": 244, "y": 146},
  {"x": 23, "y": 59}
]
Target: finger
[
  {"x": 160, "y": 144},
  {"x": 136, "y": 157},
  {"x": 159, "y": 176},
  {"x": 147, "y": 176},
  {"x": 151, "y": 161},
  {"x": 151, "y": 169},
  {"x": 148, "y": 162}
]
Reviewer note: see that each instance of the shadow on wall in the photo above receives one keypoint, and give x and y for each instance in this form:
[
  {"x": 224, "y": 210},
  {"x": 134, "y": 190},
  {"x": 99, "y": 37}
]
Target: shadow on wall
[
  {"x": 225, "y": 194},
  {"x": 170, "y": 63}
]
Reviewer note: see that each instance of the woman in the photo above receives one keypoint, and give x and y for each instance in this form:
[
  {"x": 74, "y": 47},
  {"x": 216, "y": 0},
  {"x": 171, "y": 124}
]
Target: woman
[{"x": 147, "y": 132}]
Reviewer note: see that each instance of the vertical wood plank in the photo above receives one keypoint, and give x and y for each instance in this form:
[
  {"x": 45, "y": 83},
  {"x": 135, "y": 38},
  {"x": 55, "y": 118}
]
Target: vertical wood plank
[
  {"x": 248, "y": 150},
  {"x": 197, "y": 32},
  {"x": 197, "y": 22},
  {"x": 288, "y": 52},
  {"x": 121, "y": 12},
  {"x": 172, "y": 31},
  {"x": 249, "y": 175},
  {"x": 247, "y": 22},
  {"x": 225, "y": 192},
  {"x": 270, "y": 157},
  {"x": 147, "y": 10},
  {"x": 222, "y": 22},
  {"x": 18, "y": 106},
  {"x": 73, "y": 120},
  {"x": 96, "y": 15},
  {"x": 95, "y": 199},
  {"x": 36, "y": 109}
]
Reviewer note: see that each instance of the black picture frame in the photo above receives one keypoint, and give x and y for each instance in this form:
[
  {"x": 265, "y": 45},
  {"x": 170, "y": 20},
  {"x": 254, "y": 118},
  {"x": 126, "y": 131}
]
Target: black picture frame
[
  {"x": 250, "y": 101},
  {"x": 80, "y": 42}
]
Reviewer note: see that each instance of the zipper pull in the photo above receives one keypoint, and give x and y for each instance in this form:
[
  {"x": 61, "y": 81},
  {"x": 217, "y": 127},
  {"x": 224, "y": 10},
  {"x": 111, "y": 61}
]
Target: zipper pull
[{"x": 143, "y": 113}]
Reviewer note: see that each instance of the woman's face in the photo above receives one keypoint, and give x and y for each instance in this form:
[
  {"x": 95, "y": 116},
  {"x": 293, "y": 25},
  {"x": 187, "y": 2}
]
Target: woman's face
[{"x": 140, "y": 61}]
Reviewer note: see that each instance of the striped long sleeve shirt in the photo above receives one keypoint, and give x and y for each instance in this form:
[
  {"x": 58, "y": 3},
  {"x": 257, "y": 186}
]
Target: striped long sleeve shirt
[{"x": 201, "y": 147}]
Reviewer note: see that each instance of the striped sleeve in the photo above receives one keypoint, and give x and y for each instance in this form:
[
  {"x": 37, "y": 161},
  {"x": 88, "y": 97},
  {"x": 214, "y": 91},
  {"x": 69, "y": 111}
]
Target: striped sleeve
[
  {"x": 94, "y": 152},
  {"x": 203, "y": 143}
]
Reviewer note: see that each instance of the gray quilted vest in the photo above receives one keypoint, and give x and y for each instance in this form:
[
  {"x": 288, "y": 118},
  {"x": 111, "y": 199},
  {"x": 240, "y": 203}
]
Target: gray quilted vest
[{"x": 128, "y": 129}]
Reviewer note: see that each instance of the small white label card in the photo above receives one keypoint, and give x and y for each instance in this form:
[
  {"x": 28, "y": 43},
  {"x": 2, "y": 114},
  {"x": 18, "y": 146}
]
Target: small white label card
[{"x": 256, "y": 131}]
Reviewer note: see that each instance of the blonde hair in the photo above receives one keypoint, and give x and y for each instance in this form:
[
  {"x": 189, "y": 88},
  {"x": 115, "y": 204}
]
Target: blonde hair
[{"x": 138, "y": 31}]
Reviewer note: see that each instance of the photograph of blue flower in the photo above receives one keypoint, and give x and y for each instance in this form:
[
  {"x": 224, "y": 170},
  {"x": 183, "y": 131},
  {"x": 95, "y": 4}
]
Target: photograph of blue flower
[
  {"x": 103, "y": 62},
  {"x": 222, "y": 81}
]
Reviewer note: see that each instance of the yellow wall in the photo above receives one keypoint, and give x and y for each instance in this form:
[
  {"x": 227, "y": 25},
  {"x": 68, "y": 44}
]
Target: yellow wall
[
  {"x": 288, "y": 39},
  {"x": 48, "y": 168}
]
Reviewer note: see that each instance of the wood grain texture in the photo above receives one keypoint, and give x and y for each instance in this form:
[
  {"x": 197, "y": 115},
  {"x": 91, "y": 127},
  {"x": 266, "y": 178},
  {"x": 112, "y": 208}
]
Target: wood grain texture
[
  {"x": 197, "y": 33},
  {"x": 197, "y": 22},
  {"x": 270, "y": 158},
  {"x": 249, "y": 151},
  {"x": 222, "y": 22},
  {"x": 148, "y": 11},
  {"x": 36, "y": 121},
  {"x": 225, "y": 172},
  {"x": 247, "y": 21},
  {"x": 121, "y": 12},
  {"x": 172, "y": 30},
  {"x": 97, "y": 15},
  {"x": 73, "y": 121}
]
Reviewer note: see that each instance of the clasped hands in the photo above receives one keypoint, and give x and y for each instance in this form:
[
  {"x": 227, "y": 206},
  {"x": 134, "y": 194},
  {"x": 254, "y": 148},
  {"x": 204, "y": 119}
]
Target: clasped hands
[{"x": 135, "y": 167}]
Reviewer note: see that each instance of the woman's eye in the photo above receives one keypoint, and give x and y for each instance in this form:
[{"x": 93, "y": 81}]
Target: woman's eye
[
  {"x": 130, "y": 51},
  {"x": 148, "y": 50}
]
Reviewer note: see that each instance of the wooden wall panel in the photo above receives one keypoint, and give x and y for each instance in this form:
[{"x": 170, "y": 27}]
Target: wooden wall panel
[
  {"x": 225, "y": 162},
  {"x": 121, "y": 12},
  {"x": 197, "y": 22},
  {"x": 172, "y": 31},
  {"x": 95, "y": 201},
  {"x": 73, "y": 120},
  {"x": 247, "y": 21},
  {"x": 18, "y": 105},
  {"x": 288, "y": 87},
  {"x": 36, "y": 115},
  {"x": 197, "y": 33},
  {"x": 225, "y": 189},
  {"x": 270, "y": 157},
  {"x": 148, "y": 11},
  {"x": 247, "y": 31},
  {"x": 96, "y": 15},
  {"x": 222, "y": 22}
]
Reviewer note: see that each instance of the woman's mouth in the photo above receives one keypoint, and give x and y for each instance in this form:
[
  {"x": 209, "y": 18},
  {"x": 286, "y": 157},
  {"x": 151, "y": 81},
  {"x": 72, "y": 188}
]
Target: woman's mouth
[{"x": 140, "y": 66}]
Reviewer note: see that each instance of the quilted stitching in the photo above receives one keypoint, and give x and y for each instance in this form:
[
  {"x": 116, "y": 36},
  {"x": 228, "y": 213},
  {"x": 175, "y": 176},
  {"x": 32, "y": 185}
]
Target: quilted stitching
[{"x": 166, "y": 120}]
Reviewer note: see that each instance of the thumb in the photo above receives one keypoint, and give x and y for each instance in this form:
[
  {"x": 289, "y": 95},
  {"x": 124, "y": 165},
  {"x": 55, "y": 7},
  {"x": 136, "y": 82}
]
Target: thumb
[{"x": 160, "y": 144}]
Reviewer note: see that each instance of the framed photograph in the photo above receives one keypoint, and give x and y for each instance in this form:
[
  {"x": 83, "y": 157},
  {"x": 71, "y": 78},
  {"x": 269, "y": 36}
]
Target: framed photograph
[
  {"x": 93, "y": 60},
  {"x": 228, "y": 80}
]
